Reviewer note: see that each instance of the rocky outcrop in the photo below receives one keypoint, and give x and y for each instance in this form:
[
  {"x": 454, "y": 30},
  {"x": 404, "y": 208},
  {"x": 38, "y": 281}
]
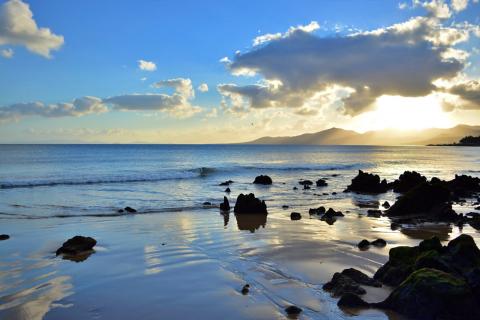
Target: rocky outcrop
[
  {"x": 407, "y": 181},
  {"x": 295, "y": 216},
  {"x": 249, "y": 204},
  {"x": 349, "y": 281},
  {"x": 225, "y": 205},
  {"x": 266, "y": 180},
  {"x": 368, "y": 183},
  {"x": 321, "y": 183}
]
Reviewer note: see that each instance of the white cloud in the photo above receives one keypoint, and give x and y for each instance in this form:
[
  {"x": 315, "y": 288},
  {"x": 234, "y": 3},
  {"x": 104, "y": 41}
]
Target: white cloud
[
  {"x": 312, "y": 26},
  {"x": 17, "y": 27},
  {"x": 402, "y": 5},
  {"x": 403, "y": 59},
  {"x": 203, "y": 87},
  {"x": 79, "y": 107},
  {"x": 182, "y": 86},
  {"x": 459, "y": 5},
  {"x": 146, "y": 65},
  {"x": 7, "y": 53}
]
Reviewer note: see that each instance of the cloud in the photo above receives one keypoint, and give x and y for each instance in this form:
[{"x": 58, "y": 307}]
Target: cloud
[
  {"x": 203, "y": 87},
  {"x": 17, "y": 27},
  {"x": 469, "y": 92},
  {"x": 403, "y": 59},
  {"x": 459, "y": 5},
  {"x": 177, "y": 105},
  {"x": 312, "y": 26},
  {"x": 79, "y": 107},
  {"x": 7, "y": 53},
  {"x": 146, "y": 65}
]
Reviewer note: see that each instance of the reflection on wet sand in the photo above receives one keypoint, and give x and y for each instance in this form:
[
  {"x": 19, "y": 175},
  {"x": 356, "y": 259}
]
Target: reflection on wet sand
[
  {"x": 78, "y": 257},
  {"x": 251, "y": 222},
  {"x": 226, "y": 218},
  {"x": 426, "y": 231}
]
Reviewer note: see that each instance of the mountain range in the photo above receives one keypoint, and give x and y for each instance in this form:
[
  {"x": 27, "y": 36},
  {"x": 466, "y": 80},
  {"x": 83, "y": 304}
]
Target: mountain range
[{"x": 337, "y": 136}]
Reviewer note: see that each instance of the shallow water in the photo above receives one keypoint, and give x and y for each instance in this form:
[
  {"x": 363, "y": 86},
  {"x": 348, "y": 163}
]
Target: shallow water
[{"x": 178, "y": 259}]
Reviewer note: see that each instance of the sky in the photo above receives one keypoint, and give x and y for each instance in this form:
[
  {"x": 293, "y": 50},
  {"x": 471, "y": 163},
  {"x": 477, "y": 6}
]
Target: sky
[{"x": 231, "y": 71}]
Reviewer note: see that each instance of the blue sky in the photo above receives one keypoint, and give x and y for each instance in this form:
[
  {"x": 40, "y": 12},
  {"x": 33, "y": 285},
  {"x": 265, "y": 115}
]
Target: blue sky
[{"x": 104, "y": 40}]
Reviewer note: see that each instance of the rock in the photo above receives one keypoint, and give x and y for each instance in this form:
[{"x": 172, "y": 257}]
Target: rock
[
  {"x": 421, "y": 200},
  {"x": 361, "y": 277},
  {"x": 342, "y": 284},
  {"x": 4, "y": 237},
  {"x": 407, "y": 181},
  {"x": 225, "y": 206},
  {"x": 77, "y": 245},
  {"x": 262, "y": 180},
  {"x": 295, "y": 188},
  {"x": 332, "y": 213},
  {"x": 321, "y": 183},
  {"x": 306, "y": 187},
  {"x": 430, "y": 294},
  {"x": 284, "y": 207},
  {"x": 120, "y": 211},
  {"x": 295, "y": 216},
  {"x": 463, "y": 185},
  {"x": 325, "y": 193},
  {"x": 207, "y": 203},
  {"x": 364, "y": 244},
  {"x": 350, "y": 300},
  {"x": 400, "y": 265},
  {"x": 249, "y": 204},
  {"x": 319, "y": 210},
  {"x": 379, "y": 243},
  {"x": 386, "y": 205},
  {"x": 130, "y": 210},
  {"x": 374, "y": 213},
  {"x": 334, "y": 193},
  {"x": 226, "y": 183},
  {"x": 228, "y": 190},
  {"x": 293, "y": 310},
  {"x": 246, "y": 289},
  {"x": 305, "y": 182},
  {"x": 368, "y": 183}
]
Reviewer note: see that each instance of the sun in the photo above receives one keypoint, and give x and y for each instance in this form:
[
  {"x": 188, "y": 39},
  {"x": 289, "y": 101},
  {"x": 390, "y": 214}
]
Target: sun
[{"x": 404, "y": 113}]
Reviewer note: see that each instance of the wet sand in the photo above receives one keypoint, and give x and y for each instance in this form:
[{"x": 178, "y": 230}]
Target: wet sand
[{"x": 193, "y": 264}]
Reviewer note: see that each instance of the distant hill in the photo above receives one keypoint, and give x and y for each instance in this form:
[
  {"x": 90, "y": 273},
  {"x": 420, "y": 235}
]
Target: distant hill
[{"x": 336, "y": 136}]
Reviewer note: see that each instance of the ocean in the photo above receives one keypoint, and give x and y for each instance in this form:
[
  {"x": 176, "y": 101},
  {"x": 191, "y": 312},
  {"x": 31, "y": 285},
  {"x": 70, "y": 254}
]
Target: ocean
[{"x": 177, "y": 258}]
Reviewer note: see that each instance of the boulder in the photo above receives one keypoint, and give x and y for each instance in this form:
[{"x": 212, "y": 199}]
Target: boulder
[
  {"x": 350, "y": 300},
  {"x": 207, "y": 203},
  {"x": 284, "y": 207},
  {"x": 361, "y": 277},
  {"x": 374, "y": 213},
  {"x": 368, "y": 183},
  {"x": 226, "y": 183},
  {"x": 250, "y": 204},
  {"x": 364, "y": 244},
  {"x": 342, "y": 284},
  {"x": 263, "y": 180},
  {"x": 225, "y": 206},
  {"x": 306, "y": 187},
  {"x": 4, "y": 237},
  {"x": 295, "y": 216},
  {"x": 319, "y": 210},
  {"x": 305, "y": 182},
  {"x": 228, "y": 190},
  {"x": 431, "y": 294},
  {"x": 386, "y": 205},
  {"x": 332, "y": 213},
  {"x": 77, "y": 245},
  {"x": 407, "y": 181},
  {"x": 379, "y": 243},
  {"x": 245, "y": 289},
  {"x": 321, "y": 183},
  {"x": 463, "y": 185}
]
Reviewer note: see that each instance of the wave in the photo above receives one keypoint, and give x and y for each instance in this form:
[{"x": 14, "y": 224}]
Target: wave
[{"x": 201, "y": 172}]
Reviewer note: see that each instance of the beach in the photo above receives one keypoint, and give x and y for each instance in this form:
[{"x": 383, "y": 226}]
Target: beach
[{"x": 177, "y": 258}]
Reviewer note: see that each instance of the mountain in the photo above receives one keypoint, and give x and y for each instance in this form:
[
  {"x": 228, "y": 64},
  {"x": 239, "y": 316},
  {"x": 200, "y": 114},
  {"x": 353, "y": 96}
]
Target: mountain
[{"x": 337, "y": 136}]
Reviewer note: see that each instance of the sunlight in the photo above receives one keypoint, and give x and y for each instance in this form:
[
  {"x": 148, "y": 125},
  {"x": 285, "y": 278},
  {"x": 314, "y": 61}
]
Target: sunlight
[{"x": 404, "y": 113}]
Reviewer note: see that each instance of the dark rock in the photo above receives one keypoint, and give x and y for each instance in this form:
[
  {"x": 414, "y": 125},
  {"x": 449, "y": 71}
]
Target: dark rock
[
  {"x": 400, "y": 265},
  {"x": 379, "y": 243},
  {"x": 431, "y": 294},
  {"x": 295, "y": 216},
  {"x": 293, "y": 310},
  {"x": 306, "y": 187},
  {"x": 225, "y": 206},
  {"x": 422, "y": 199},
  {"x": 262, "y": 180},
  {"x": 245, "y": 289},
  {"x": 361, "y": 277},
  {"x": 407, "y": 181},
  {"x": 319, "y": 210},
  {"x": 334, "y": 193},
  {"x": 350, "y": 300},
  {"x": 386, "y": 205},
  {"x": 463, "y": 185},
  {"x": 76, "y": 245},
  {"x": 364, "y": 244},
  {"x": 130, "y": 210},
  {"x": 284, "y": 207},
  {"x": 249, "y": 204},
  {"x": 342, "y": 284},
  {"x": 368, "y": 183},
  {"x": 228, "y": 190},
  {"x": 207, "y": 203},
  {"x": 321, "y": 183},
  {"x": 332, "y": 213},
  {"x": 305, "y": 182},
  {"x": 4, "y": 237},
  {"x": 374, "y": 213},
  {"x": 226, "y": 183},
  {"x": 295, "y": 188},
  {"x": 120, "y": 211}
]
